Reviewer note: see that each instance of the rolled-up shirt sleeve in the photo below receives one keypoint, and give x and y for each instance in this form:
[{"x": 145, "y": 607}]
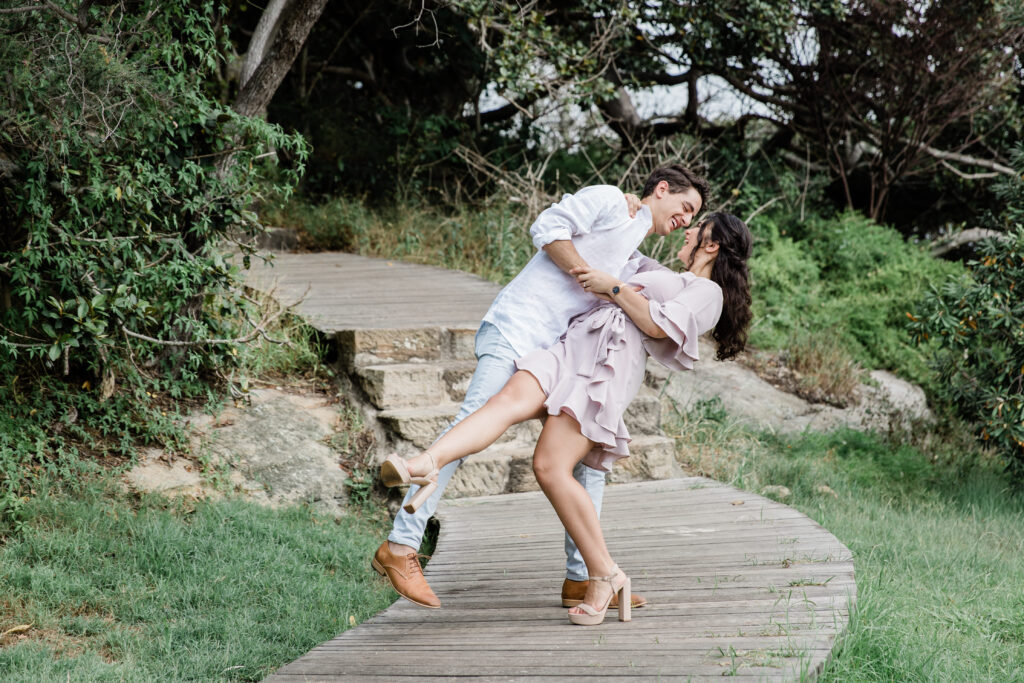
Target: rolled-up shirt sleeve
[{"x": 576, "y": 214}]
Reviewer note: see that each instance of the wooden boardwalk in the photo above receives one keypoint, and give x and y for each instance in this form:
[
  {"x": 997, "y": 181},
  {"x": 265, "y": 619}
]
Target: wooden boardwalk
[
  {"x": 739, "y": 585},
  {"x": 349, "y": 292}
]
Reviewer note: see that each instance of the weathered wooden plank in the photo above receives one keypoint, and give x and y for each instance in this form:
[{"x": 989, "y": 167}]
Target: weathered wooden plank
[
  {"x": 353, "y": 292},
  {"x": 514, "y": 667},
  {"x": 305, "y": 678}
]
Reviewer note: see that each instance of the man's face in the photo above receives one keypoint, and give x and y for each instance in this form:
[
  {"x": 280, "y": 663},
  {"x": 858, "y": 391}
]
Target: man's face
[{"x": 673, "y": 210}]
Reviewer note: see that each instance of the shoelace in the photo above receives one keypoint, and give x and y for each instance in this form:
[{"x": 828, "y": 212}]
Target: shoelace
[{"x": 414, "y": 562}]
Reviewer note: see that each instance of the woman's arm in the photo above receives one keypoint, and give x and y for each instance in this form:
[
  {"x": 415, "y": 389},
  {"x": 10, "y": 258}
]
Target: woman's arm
[{"x": 629, "y": 299}]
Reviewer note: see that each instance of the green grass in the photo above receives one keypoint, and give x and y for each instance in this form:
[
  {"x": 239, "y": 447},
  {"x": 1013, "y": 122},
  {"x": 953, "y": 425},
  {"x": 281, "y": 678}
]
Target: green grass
[
  {"x": 937, "y": 538},
  {"x": 121, "y": 588}
]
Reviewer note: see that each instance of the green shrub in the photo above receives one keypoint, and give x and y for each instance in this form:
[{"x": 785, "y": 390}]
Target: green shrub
[
  {"x": 128, "y": 178},
  {"x": 785, "y": 286},
  {"x": 121, "y": 181},
  {"x": 847, "y": 277},
  {"x": 977, "y": 321}
]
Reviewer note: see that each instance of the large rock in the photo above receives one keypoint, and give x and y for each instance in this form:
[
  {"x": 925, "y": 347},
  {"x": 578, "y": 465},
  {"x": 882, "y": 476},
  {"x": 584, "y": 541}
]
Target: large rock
[
  {"x": 279, "y": 443},
  {"x": 889, "y": 404},
  {"x": 272, "y": 451},
  {"x": 650, "y": 457}
]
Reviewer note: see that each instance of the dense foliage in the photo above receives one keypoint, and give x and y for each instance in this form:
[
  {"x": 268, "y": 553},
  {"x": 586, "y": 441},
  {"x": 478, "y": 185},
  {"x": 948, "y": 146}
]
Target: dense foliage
[
  {"x": 893, "y": 102},
  {"x": 846, "y": 281},
  {"x": 120, "y": 179},
  {"x": 979, "y": 322}
]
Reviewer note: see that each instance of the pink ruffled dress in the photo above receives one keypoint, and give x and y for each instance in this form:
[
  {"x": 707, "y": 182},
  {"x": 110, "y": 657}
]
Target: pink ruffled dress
[{"x": 594, "y": 371}]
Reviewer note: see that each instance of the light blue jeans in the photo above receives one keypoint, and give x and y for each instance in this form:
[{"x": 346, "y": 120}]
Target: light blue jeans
[{"x": 495, "y": 366}]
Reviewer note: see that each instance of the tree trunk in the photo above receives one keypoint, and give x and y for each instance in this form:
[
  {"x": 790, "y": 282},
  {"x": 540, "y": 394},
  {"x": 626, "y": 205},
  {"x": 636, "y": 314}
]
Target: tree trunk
[
  {"x": 296, "y": 22},
  {"x": 621, "y": 116},
  {"x": 260, "y": 42}
]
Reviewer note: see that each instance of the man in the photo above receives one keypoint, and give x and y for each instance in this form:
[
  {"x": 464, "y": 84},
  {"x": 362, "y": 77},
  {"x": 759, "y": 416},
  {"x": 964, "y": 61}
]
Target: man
[{"x": 592, "y": 227}]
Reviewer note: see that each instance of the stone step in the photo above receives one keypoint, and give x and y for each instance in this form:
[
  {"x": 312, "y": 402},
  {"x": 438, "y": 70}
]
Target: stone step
[
  {"x": 410, "y": 385},
  {"x": 508, "y": 468},
  {"x": 422, "y": 423},
  {"x": 421, "y": 426},
  {"x": 360, "y": 348}
]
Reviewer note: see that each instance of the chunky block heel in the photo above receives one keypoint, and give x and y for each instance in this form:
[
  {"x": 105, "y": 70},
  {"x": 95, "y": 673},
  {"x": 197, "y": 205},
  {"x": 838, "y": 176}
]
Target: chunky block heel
[
  {"x": 625, "y": 603},
  {"x": 393, "y": 472},
  {"x": 420, "y": 497}
]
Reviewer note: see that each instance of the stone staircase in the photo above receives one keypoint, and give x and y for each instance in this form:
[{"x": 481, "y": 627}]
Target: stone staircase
[{"x": 413, "y": 382}]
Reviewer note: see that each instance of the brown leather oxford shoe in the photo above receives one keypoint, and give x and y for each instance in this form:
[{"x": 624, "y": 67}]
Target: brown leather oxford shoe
[
  {"x": 573, "y": 593},
  {"x": 405, "y": 574}
]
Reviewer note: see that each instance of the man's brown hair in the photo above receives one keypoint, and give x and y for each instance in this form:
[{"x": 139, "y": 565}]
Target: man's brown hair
[{"x": 679, "y": 179}]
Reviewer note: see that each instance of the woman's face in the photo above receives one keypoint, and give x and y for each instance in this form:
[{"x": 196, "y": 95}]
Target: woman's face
[{"x": 691, "y": 242}]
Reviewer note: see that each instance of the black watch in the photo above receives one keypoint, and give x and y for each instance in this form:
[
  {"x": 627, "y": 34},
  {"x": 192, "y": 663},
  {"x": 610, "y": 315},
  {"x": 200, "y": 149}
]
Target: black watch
[{"x": 615, "y": 290}]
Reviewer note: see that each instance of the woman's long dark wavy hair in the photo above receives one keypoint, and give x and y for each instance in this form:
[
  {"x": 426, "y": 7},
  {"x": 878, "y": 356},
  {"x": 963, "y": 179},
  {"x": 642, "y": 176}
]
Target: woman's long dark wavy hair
[{"x": 730, "y": 273}]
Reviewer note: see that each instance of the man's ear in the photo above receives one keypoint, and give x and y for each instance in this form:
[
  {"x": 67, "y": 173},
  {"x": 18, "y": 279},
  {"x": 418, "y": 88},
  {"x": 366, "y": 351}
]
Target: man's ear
[{"x": 661, "y": 189}]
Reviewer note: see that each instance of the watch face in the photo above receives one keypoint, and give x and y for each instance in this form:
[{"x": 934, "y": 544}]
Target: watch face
[{"x": 615, "y": 289}]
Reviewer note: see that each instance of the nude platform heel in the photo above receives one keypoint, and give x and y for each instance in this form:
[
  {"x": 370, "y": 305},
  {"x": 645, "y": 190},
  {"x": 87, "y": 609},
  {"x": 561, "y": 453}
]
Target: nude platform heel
[
  {"x": 393, "y": 472},
  {"x": 620, "y": 585}
]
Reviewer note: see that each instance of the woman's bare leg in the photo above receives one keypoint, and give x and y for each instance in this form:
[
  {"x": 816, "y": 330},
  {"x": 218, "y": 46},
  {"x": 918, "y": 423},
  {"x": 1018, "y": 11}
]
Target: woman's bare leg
[
  {"x": 560, "y": 447},
  {"x": 519, "y": 400}
]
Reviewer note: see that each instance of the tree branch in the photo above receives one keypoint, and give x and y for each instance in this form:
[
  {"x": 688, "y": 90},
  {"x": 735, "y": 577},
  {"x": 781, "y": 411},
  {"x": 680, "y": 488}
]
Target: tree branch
[
  {"x": 260, "y": 40},
  {"x": 969, "y": 176},
  {"x": 507, "y": 111},
  {"x": 944, "y": 245},
  {"x": 81, "y": 21},
  {"x": 966, "y": 159},
  {"x": 258, "y": 329}
]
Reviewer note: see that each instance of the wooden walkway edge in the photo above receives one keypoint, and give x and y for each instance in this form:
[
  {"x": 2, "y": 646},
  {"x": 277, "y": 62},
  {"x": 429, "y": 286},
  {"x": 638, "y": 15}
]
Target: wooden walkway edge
[{"x": 739, "y": 586}]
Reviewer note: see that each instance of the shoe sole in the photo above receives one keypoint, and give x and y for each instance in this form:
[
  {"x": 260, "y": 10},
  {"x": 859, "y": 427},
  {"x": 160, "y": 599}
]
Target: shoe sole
[
  {"x": 377, "y": 567},
  {"x": 566, "y": 602}
]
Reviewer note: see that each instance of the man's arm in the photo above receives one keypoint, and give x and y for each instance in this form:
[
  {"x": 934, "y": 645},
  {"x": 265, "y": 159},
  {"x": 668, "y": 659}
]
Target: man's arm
[
  {"x": 564, "y": 254},
  {"x": 552, "y": 237}
]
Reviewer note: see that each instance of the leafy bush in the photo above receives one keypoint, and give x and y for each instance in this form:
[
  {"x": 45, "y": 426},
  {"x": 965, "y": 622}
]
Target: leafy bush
[
  {"x": 978, "y": 322},
  {"x": 848, "y": 278},
  {"x": 120, "y": 179}
]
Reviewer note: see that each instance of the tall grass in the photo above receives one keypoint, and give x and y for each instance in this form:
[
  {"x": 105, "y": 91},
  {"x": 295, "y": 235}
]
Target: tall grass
[
  {"x": 491, "y": 240},
  {"x": 937, "y": 538}
]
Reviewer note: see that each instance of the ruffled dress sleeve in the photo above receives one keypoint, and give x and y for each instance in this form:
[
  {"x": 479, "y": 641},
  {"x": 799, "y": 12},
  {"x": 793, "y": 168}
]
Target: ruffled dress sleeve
[{"x": 691, "y": 312}]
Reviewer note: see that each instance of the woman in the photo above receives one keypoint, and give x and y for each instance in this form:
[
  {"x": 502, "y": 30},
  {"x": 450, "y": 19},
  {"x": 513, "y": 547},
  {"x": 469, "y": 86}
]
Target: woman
[{"x": 585, "y": 381}]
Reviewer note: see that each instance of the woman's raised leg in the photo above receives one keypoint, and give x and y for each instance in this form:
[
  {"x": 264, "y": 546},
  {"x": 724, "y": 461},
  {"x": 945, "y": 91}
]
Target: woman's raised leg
[{"x": 519, "y": 400}]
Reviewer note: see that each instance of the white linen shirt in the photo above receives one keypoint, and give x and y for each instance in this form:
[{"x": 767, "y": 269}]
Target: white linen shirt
[{"x": 533, "y": 310}]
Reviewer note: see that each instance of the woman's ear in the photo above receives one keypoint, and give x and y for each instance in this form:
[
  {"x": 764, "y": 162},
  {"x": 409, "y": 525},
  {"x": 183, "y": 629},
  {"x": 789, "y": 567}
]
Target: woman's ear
[{"x": 711, "y": 248}]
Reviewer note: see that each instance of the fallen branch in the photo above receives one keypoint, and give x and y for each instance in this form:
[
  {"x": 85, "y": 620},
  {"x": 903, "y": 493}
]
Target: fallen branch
[
  {"x": 944, "y": 245},
  {"x": 966, "y": 159}
]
